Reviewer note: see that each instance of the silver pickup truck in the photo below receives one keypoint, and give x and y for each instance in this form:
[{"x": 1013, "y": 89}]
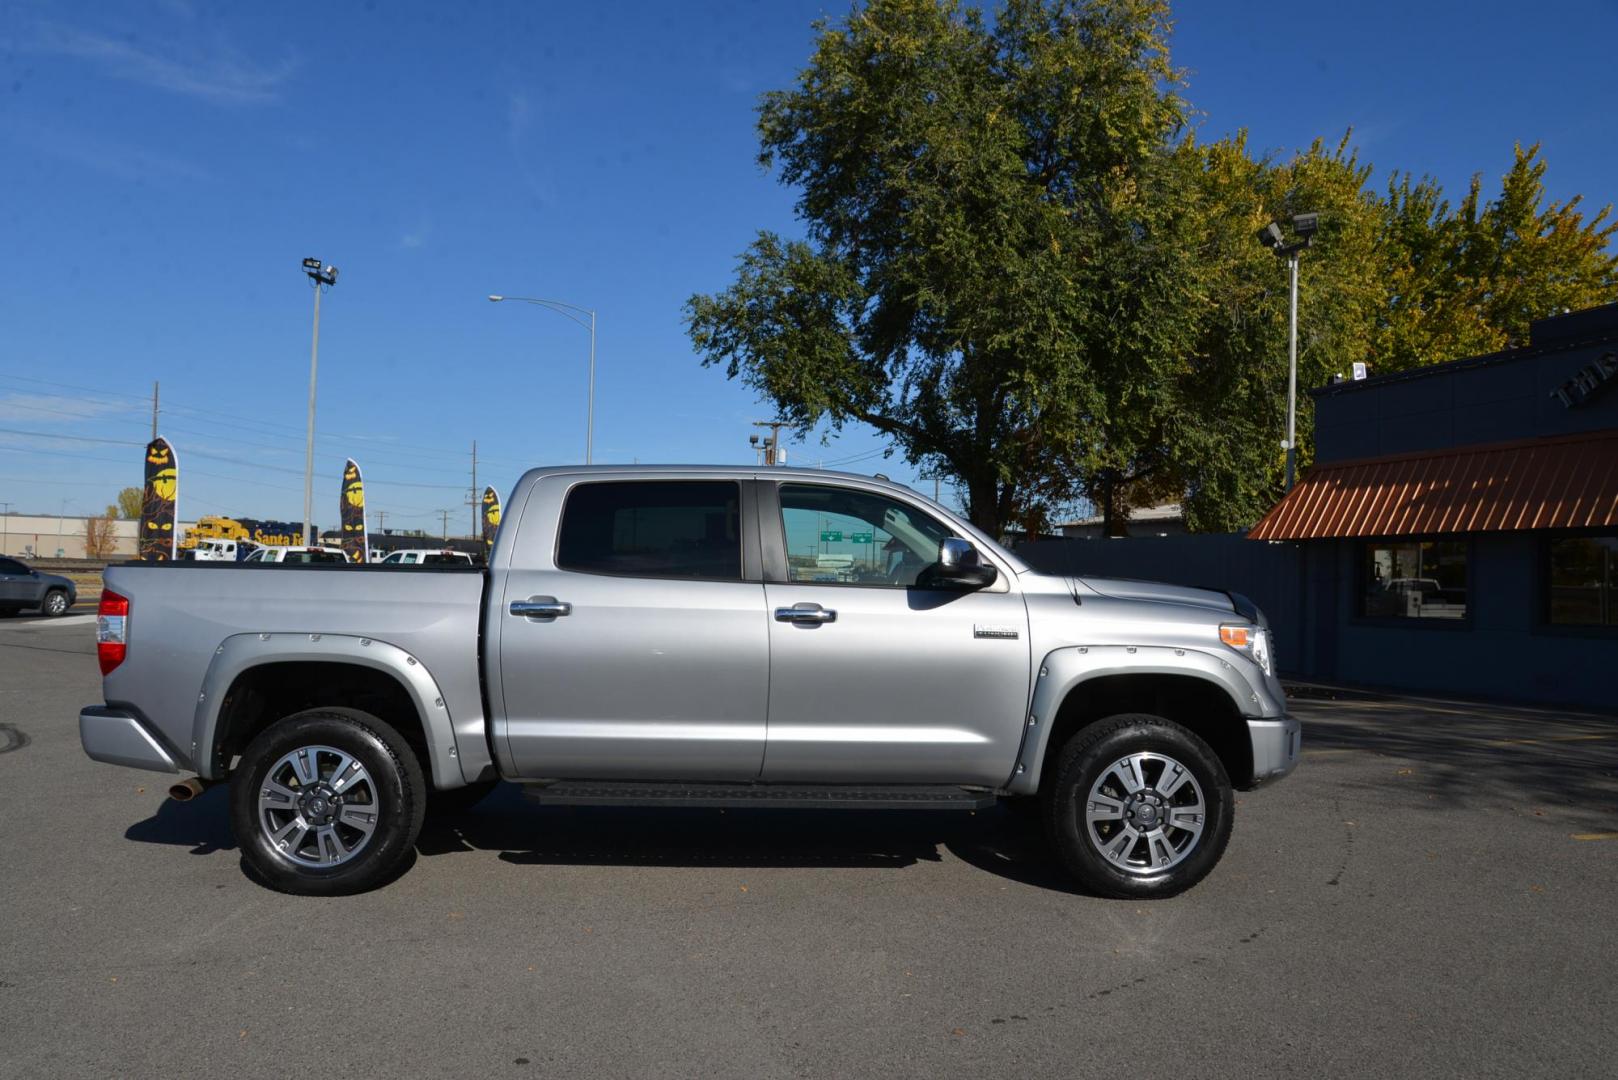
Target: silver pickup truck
[{"x": 701, "y": 636}]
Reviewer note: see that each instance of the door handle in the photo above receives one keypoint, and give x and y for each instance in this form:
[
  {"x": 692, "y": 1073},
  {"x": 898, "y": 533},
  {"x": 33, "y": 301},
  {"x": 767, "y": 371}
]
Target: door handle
[
  {"x": 805, "y": 614},
  {"x": 541, "y": 607}
]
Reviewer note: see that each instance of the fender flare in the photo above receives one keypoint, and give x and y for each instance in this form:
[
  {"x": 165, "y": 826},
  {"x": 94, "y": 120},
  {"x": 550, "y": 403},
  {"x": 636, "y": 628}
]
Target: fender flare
[
  {"x": 1065, "y": 669},
  {"x": 240, "y": 653}
]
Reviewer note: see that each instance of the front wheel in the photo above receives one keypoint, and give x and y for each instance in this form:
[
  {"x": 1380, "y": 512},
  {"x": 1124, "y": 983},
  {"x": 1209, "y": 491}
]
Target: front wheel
[
  {"x": 55, "y": 604},
  {"x": 1138, "y": 807},
  {"x": 327, "y": 802}
]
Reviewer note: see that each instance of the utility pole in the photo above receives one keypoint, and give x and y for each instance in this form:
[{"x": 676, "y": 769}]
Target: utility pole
[
  {"x": 473, "y": 500},
  {"x": 381, "y": 521},
  {"x": 771, "y": 446},
  {"x": 319, "y": 275},
  {"x": 154, "y": 408},
  {"x": 5, "y": 528},
  {"x": 445, "y": 515}
]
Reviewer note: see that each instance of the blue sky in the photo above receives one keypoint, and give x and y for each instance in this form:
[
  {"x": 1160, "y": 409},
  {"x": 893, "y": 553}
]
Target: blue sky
[{"x": 167, "y": 165}]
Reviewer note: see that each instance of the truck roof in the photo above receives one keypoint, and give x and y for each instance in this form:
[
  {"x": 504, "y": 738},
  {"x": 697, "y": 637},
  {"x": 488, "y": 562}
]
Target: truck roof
[
  {"x": 760, "y": 472},
  {"x": 746, "y": 471}
]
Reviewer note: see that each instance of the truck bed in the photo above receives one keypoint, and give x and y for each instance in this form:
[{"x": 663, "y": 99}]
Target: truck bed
[{"x": 186, "y": 619}]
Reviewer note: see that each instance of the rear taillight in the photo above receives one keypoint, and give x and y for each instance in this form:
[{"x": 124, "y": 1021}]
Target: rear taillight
[{"x": 112, "y": 630}]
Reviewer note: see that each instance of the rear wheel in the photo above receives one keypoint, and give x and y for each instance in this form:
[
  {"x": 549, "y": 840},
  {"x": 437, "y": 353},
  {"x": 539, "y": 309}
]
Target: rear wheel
[
  {"x": 327, "y": 802},
  {"x": 1138, "y": 806},
  {"x": 55, "y": 604}
]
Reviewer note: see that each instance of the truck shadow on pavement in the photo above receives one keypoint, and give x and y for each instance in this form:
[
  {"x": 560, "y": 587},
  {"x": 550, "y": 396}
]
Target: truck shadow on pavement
[
  {"x": 203, "y": 824},
  {"x": 527, "y": 834},
  {"x": 523, "y": 833}
]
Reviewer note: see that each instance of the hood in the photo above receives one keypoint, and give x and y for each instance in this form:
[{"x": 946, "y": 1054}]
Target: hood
[{"x": 1158, "y": 592}]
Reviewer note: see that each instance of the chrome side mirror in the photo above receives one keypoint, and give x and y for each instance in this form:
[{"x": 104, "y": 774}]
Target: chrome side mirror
[{"x": 960, "y": 566}]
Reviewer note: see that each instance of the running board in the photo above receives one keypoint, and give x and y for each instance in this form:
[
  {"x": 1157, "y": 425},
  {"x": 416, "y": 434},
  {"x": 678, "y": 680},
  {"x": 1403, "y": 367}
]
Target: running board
[{"x": 773, "y": 796}]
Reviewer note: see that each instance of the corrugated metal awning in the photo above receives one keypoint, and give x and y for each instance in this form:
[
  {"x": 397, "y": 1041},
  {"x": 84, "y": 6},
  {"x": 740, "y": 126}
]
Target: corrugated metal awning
[{"x": 1566, "y": 482}]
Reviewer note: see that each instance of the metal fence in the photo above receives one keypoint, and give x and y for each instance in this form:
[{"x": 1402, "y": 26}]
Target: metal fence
[{"x": 1269, "y": 574}]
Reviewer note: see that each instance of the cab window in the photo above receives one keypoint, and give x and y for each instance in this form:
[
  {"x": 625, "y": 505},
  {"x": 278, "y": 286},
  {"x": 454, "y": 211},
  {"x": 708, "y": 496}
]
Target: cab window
[
  {"x": 841, "y": 536},
  {"x": 656, "y": 528}
]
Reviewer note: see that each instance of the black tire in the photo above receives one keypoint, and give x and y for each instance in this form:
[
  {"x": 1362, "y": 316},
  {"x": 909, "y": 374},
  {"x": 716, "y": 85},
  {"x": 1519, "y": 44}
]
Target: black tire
[
  {"x": 1087, "y": 759},
  {"x": 55, "y": 604},
  {"x": 1022, "y": 808},
  {"x": 397, "y": 789},
  {"x": 457, "y": 801}
]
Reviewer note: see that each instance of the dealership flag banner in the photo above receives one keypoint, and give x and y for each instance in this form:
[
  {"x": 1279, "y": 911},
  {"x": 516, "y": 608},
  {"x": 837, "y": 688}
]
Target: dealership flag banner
[
  {"x": 159, "y": 503},
  {"x": 351, "y": 513},
  {"x": 491, "y": 519}
]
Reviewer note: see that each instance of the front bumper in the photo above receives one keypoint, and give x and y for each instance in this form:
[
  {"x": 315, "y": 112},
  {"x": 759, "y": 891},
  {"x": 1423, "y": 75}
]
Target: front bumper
[
  {"x": 1277, "y": 742},
  {"x": 118, "y": 738}
]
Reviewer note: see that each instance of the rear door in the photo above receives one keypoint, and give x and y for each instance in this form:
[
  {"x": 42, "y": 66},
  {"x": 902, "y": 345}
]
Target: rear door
[
  {"x": 873, "y": 677},
  {"x": 633, "y": 641}
]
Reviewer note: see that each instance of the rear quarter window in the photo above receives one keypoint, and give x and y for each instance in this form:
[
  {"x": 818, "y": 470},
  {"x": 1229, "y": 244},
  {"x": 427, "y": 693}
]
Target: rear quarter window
[{"x": 653, "y": 528}]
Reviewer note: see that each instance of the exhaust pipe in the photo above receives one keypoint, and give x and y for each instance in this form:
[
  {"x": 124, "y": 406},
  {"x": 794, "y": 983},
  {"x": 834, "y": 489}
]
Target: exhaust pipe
[{"x": 186, "y": 790}]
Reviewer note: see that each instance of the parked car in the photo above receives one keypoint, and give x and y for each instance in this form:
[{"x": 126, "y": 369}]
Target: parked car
[
  {"x": 638, "y": 638},
  {"x": 22, "y": 588},
  {"x": 276, "y": 554},
  {"x": 427, "y": 557}
]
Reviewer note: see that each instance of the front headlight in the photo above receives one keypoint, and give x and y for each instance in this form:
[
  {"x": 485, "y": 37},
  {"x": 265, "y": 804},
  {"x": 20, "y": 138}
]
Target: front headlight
[
  {"x": 1261, "y": 650},
  {"x": 1252, "y": 640}
]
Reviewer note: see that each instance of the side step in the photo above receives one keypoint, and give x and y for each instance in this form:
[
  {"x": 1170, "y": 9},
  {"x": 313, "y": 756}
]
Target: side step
[{"x": 774, "y": 796}]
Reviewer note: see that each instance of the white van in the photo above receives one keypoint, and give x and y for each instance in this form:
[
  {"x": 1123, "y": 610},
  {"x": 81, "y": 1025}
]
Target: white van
[
  {"x": 427, "y": 557},
  {"x": 298, "y": 555}
]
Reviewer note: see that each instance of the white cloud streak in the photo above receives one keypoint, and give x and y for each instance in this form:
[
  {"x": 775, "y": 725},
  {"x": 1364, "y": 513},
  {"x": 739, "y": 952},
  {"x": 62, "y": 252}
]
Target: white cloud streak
[{"x": 219, "y": 73}]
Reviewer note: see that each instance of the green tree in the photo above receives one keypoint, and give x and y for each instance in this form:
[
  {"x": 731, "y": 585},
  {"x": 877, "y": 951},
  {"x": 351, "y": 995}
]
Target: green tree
[
  {"x": 1471, "y": 280},
  {"x": 129, "y": 500},
  {"x": 986, "y": 279},
  {"x": 1021, "y": 269}
]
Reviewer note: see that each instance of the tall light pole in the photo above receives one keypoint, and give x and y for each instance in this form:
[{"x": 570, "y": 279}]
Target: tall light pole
[
  {"x": 318, "y": 275},
  {"x": 573, "y": 312},
  {"x": 1304, "y": 225}
]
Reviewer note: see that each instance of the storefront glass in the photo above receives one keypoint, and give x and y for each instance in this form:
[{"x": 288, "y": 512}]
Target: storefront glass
[
  {"x": 1584, "y": 581},
  {"x": 1418, "y": 579}
]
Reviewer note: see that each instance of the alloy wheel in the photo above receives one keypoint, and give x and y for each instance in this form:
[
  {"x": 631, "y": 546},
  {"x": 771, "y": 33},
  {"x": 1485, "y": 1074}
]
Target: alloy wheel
[
  {"x": 1145, "y": 813},
  {"x": 318, "y": 806}
]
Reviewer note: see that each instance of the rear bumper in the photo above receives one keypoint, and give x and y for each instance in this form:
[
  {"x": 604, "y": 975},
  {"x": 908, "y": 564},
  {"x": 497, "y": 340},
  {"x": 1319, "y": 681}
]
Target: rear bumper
[
  {"x": 116, "y": 737},
  {"x": 1277, "y": 743}
]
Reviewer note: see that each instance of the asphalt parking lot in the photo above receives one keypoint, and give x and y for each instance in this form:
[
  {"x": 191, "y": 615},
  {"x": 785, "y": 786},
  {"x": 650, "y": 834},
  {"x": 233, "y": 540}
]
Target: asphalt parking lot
[{"x": 1434, "y": 892}]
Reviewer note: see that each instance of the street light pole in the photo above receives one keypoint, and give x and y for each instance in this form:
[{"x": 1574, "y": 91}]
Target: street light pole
[
  {"x": 1292, "y": 375},
  {"x": 573, "y": 312},
  {"x": 309, "y": 442},
  {"x": 319, "y": 275},
  {"x": 1304, "y": 227}
]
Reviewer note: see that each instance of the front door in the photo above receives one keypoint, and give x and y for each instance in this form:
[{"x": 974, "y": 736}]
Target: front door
[
  {"x": 638, "y": 646},
  {"x": 16, "y": 582},
  {"x": 883, "y": 680}
]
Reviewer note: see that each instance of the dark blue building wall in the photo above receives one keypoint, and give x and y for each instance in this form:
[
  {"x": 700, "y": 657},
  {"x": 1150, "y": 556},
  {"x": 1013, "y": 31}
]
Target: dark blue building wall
[
  {"x": 1310, "y": 590},
  {"x": 1503, "y": 650},
  {"x": 1489, "y": 399}
]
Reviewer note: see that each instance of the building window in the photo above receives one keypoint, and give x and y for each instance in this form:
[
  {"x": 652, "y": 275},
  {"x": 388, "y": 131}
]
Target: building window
[
  {"x": 1584, "y": 581},
  {"x": 1423, "y": 579}
]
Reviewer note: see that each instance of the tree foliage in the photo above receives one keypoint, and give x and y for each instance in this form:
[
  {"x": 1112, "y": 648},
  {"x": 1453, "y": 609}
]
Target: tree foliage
[
  {"x": 99, "y": 537},
  {"x": 1021, "y": 268},
  {"x": 129, "y": 500}
]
